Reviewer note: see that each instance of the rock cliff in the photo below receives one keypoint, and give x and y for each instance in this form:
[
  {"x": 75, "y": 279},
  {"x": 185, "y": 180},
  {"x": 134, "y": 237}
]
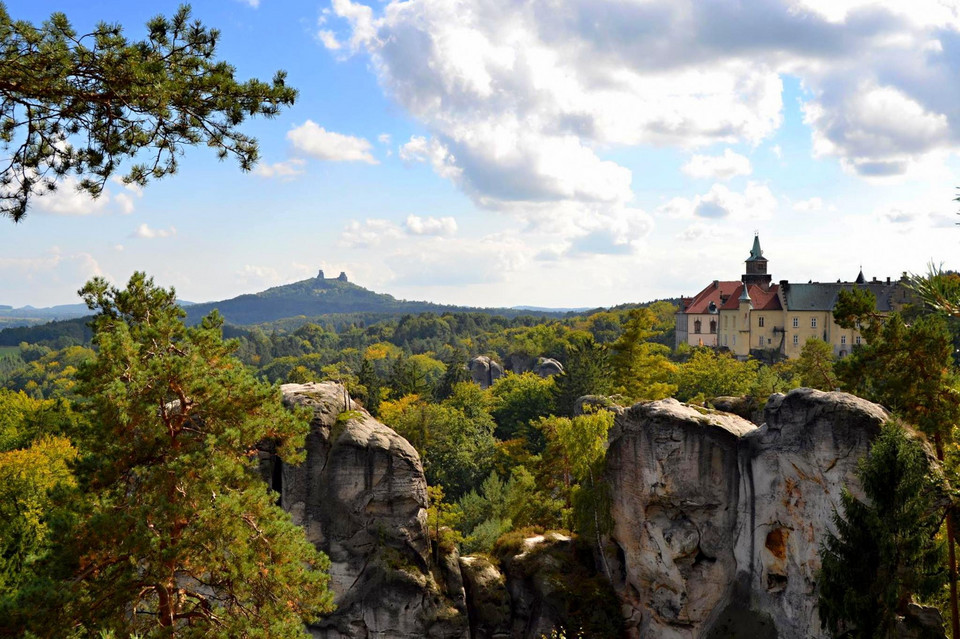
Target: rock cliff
[
  {"x": 716, "y": 527},
  {"x": 362, "y": 497},
  {"x": 717, "y": 523}
]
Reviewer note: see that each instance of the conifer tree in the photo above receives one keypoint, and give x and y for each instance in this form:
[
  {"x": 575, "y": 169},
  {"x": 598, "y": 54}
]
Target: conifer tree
[
  {"x": 885, "y": 550},
  {"x": 640, "y": 367},
  {"x": 181, "y": 537},
  {"x": 586, "y": 371},
  {"x": 83, "y": 104}
]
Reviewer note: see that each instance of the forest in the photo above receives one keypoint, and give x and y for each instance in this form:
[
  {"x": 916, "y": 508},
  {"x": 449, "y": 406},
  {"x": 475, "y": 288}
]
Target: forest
[{"x": 522, "y": 456}]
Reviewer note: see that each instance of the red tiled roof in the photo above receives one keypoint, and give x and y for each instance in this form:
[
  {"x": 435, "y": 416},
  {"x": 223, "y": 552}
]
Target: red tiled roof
[
  {"x": 762, "y": 300},
  {"x": 713, "y": 293}
]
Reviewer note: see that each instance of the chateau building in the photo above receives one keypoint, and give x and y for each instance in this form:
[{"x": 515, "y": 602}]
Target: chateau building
[{"x": 752, "y": 316}]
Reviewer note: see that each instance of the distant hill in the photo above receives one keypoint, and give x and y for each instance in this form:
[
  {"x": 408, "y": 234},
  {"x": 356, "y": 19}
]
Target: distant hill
[
  {"x": 333, "y": 302},
  {"x": 325, "y": 296},
  {"x": 30, "y": 316}
]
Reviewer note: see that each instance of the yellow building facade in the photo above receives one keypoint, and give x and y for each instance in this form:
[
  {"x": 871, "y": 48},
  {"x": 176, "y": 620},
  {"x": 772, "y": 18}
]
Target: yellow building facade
[{"x": 758, "y": 318}]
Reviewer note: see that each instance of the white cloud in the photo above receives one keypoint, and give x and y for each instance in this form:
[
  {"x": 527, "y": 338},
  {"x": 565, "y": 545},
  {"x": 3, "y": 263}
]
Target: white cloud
[
  {"x": 317, "y": 142},
  {"x": 254, "y": 4},
  {"x": 125, "y": 202},
  {"x": 718, "y": 167},
  {"x": 369, "y": 233},
  {"x": 286, "y": 170},
  {"x": 384, "y": 138},
  {"x": 525, "y": 98},
  {"x": 329, "y": 39},
  {"x": 417, "y": 225},
  {"x": 67, "y": 199},
  {"x": 812, "y": 204},
  {"x": 145, "y": 232},
  {"x": 756, "y": 202},
  {"x": 879, "y": 131},
  {"x": 56, "y": 267}
]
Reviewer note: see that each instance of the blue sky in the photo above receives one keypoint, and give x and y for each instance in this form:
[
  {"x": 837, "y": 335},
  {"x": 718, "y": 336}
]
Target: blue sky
[{"x": 575, "y": 153}]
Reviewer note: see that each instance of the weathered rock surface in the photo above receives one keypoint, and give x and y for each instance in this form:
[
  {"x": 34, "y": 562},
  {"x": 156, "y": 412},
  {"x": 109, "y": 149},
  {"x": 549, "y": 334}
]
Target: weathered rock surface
[
  {"x": 547, "y": 582},
  {"x": 717, "y": 523},
  {"x": 485, "y": 371},
  {"x": 548, "y": 367},
  {"x": 361, "y": 496}
]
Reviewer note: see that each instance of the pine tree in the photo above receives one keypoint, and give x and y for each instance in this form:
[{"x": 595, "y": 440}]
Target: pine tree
[
  {"x": 885, "y": 550},
  {"x": 585, "y": 372},
  {"x": 85, "y": 104},
  {"x": 181, "y": 537},
  {"x": 640, "y": 367}
]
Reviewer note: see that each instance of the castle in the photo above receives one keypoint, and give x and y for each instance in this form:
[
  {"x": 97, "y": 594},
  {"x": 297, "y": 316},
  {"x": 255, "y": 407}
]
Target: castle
[{"x": 752, "y": 317}]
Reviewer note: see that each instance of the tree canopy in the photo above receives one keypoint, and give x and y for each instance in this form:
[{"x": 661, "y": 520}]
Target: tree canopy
[
  {"x": 176, "y": 534},
  {"x": 79, "y": 106}
]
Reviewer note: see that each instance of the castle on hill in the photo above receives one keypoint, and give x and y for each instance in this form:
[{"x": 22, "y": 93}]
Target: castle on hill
[{"x": 753, "y": 317}]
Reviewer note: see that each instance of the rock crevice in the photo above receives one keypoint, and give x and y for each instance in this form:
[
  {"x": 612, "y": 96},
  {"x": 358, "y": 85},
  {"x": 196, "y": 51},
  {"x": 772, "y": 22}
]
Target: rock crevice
[{"x": 718, "y": 522}]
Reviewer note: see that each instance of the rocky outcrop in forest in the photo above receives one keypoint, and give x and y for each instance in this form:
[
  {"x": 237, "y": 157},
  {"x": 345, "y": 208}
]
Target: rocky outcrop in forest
[
  {"x": 362, "y": 498},
  {"x": 718, "y": 522},
  {"x": 716, "y": 527}
]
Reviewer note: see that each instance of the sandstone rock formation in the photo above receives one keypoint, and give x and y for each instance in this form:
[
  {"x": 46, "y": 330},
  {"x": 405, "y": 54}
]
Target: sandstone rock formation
[
  {"x": 361, "y": 496},
  {"x": 543, "y": 583},
  {"x": 484, "y": 371},
  {"x": 717, "y": 523},
  {"x": 548, "y": 367}
]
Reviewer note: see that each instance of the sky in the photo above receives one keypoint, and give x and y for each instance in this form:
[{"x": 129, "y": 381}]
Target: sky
[{"x": 562, "y": 153}]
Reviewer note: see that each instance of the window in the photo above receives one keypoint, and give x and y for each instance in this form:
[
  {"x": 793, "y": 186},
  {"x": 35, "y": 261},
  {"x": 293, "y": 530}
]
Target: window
[
  {"x": 843, "y": 340},
  {"x": 724, "y": 340},
  {"x": 813, "y": 322},
  {"x": 713, "y": 326},
  {"x": 796, "y": 322},
  {"x": 696, "y": 326},
  {"x": 858, "y": 340},
  {"x": 796, "y": 340},
  {"x": 725, "y": 321},
  {"x": 761, "y": 342},
  {"x": 760, "y": 322},
  {"x": 734, "y": 340}
]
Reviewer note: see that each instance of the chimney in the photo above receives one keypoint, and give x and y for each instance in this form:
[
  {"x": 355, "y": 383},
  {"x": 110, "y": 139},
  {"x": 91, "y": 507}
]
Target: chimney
[{"x": 888, "y": 279}]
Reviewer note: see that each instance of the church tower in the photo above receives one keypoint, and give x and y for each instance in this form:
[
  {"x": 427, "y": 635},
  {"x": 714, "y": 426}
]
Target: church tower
[{"x": 756, "y": 267}]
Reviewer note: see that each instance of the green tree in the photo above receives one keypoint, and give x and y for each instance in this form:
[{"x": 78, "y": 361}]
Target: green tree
[
  {"x": 640, "y": 367},
  {"x": 885, "y": 551},
  {"x": 908, "y": 368},
  {"x": 456, "y": 447},
  {"x": 520, "y": 399},
  {"x": 708, "y": 374},
  {"x": 181, "y": 537},
  {"x": 586, "y": 371},
  {"x": 814, "y": 367},
  {"x": 456, "y": 372},
  {"x": 83, "y": 105}
]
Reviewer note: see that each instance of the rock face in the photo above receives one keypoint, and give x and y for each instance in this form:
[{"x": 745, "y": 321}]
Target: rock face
[
  {"x": 717, "y": 523},
  {"x": 548, "y": 367},
  {"x": 544, "y": 583},
  {"x": 484, "y": 371},
  {"x": 362, "y": 497}
]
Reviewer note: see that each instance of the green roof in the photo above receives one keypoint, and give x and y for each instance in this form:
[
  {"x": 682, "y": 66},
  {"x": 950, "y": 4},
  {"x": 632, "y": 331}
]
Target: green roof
[{"x": 755, "y": 252}]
